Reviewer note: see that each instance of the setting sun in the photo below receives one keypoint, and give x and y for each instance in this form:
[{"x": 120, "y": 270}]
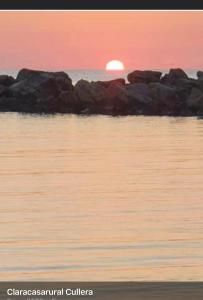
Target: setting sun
[{"x": 114, "y": 65}]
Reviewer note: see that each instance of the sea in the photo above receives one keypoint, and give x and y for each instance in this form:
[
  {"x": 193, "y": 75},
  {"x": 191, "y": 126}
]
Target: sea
[{"x": 100, "y": 198}]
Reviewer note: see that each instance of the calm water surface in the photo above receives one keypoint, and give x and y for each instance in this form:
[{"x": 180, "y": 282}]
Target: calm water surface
[{"x": 101, "y": 198}]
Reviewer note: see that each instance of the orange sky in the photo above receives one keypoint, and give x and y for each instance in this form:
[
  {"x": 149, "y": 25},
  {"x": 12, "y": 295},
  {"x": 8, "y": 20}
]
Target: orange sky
[{"x": 77, "y": 40}]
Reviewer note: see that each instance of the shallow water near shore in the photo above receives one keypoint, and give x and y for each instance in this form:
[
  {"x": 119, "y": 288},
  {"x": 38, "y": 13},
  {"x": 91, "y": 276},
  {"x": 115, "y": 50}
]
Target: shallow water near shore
[{"x": 101, "y": 198}]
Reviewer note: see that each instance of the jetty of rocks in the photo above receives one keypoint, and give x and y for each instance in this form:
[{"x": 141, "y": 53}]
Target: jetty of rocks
[{"x": 145, "y": 93}]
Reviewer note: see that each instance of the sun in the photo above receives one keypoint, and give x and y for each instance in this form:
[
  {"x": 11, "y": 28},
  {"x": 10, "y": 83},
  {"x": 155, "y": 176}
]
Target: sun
[{"x": 114, "y": 65}]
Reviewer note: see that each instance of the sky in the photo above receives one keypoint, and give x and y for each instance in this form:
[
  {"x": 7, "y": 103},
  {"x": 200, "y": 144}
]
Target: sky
[{"x": 89, "y": 39}]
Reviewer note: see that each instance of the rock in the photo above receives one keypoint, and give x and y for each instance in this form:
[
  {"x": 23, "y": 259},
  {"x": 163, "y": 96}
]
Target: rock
[
  {"x": 173, "y": 75},
  {"x": 117, "y": 99},
  {"x": 199, "y": 84},
  {"x": 200, "y": 74},
  {"x": 154, "y": 99},
  {"x": 101, "y": 96},
  {"x": 68, "y": 101},
  {"x": 86, "y": 111},
  {"x": 144, "y": 76},
  {"x": 186, "y": 83},
  {"x": 3, "y": 90},
  {"x": 40, "y": 91},
  {"x": 184, "y": 86},
  {"x": 165, "y": 99},
  {"x": 6, "y": 80},
  {"x": 147, "y": 94},
  {"x": 119, "y": 81},
  {"x": 27, "y": 74},
  {"x": 195, "y": 101},
  {"x": 9, "y": 104},
  {"x": 139, "y": 92},
  {"x": 140, "y": 100},
  {"x": 92, "y": 97},
  {"x": 162, "y": 92},
  {"x": 90, "y": 92}
]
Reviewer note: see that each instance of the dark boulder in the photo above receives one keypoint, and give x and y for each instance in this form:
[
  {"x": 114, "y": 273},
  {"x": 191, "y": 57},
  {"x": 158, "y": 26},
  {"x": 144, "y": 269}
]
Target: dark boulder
[
  {"x": 119, "y": 81},
  {"x": 51, "y": 92},
  {"x": 195, "y": 101},
  {"x": 165, "y": 99},
  {"x": 140, "y": 100},
  {"x": 173, "y": 76},
  {"x": 35, "y": 75},
  {"x": 184, "y": 87},
  {"x": 117, "y": 100},
  {"x": 68, "y": 101},
  {"x": 200, "y": 75},
  {"x": 144, "y": 76},
  {"x": 3, "y": 90},
  {"x": 199, "y": 84},
  {"x": 9, "y": 104},
  {"x": 186, "y": 83},
  {"x": 153, "y": 99},
  {"x": 6, "y": 80},
  {"x": 101, "y": 97},
  {"x": 139, "y": 92},
  {"x": 40, "y": 91},
  {"x": 90, "y": 92}
]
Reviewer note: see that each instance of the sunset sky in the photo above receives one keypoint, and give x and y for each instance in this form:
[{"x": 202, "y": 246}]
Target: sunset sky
[{"x": 88, "y": 40}]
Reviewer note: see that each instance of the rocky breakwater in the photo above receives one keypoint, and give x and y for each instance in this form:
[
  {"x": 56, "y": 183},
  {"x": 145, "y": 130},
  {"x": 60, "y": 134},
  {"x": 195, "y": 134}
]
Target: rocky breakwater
[{"x": 145, "y": 93}]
